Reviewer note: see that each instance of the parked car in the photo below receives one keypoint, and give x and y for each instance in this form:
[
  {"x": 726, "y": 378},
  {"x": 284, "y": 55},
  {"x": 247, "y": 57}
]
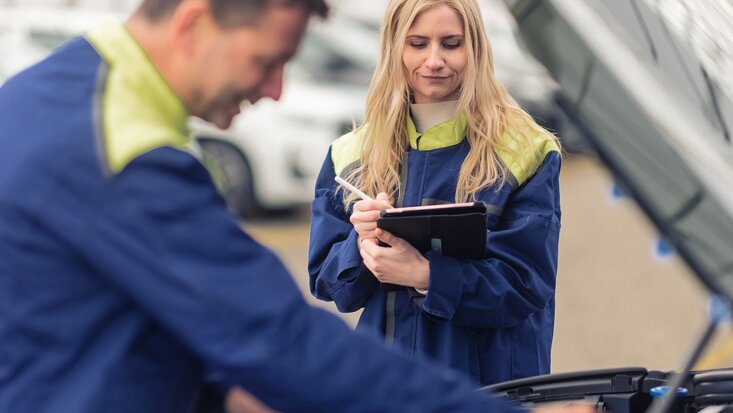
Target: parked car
[{"x": 28, "y": 34}]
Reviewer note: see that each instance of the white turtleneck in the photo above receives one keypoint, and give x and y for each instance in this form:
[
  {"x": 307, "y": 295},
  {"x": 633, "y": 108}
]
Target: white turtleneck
[{"x": 427, "y": 115}]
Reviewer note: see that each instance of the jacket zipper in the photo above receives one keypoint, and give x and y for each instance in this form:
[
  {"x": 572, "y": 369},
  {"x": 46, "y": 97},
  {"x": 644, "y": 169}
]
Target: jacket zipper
[{"x": 389, "y": 316}]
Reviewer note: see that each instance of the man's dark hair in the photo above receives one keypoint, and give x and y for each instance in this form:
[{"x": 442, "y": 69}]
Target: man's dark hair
[{"x": 230, "y": 13}]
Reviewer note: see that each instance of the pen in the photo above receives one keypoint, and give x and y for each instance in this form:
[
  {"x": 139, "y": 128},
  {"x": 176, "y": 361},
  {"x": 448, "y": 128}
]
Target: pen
[{"x": 352, "y": 188}]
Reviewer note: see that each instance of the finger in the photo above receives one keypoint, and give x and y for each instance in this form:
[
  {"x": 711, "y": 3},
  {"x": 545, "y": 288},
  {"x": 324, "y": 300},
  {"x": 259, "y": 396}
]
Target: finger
[
  {"x": 365, "y": 216},
  {"x": 369, "y": 246},
  {"x": 368, "y": 236},
  {"x": 368, "y": 261},
  {"x": 373, "y": 267},
  {"x": 364, "y": 233},
  {"x": 390, "y": 239},
  {"x": 239, "y": 401},
  {"x": 383, "y": 197},
  {"x": 365, "y": 227},
  {"x": 371, "y": 205}
]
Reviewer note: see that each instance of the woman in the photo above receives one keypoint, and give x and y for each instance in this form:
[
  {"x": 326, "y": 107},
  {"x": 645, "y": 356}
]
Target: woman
[{"x": 439, "y": 128}]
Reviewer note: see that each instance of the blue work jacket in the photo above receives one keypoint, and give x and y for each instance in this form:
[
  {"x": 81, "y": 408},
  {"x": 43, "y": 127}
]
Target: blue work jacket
[
  {"x": 124, "y": 280},
  {"x": 492, "y": 319}
]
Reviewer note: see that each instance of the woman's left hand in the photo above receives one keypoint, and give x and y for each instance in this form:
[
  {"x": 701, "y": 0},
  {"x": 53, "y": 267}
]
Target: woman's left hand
[{"x": 401, "y": 264}]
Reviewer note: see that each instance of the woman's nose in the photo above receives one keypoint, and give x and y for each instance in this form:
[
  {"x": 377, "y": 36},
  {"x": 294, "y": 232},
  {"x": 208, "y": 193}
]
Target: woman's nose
[{"x": 434, "y": 60}]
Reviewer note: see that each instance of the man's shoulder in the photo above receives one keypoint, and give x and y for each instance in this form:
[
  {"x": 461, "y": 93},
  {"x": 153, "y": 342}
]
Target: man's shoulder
[
  {"x": 66, "y": 73},
  {"x": 46, "y": 112}
]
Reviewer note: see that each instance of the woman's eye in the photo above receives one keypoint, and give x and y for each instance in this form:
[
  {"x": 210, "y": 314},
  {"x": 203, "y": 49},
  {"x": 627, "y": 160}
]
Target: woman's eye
[
  {"x": 452, "y": 45},
  {"x": 417, "y": 45}
]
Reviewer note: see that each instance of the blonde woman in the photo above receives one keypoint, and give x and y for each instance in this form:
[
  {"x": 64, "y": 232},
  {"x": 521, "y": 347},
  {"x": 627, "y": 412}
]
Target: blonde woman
[{"x": 439, "y": 128}]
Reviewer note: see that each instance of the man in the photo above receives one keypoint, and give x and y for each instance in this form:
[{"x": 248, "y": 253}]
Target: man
[{"x": 123, "y": 278}]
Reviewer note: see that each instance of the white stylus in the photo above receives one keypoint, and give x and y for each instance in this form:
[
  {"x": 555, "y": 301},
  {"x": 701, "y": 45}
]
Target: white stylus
[{"x": 352, "y": 188}]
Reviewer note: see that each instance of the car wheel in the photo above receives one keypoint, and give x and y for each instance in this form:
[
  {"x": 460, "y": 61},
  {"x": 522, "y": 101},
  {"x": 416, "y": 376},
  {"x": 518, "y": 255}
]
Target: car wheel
[{"x": 239, "y": 187}]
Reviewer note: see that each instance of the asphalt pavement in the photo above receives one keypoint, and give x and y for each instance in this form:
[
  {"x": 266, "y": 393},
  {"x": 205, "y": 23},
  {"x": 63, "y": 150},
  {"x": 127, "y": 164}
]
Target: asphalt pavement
[{"x": 619, "y": 302}]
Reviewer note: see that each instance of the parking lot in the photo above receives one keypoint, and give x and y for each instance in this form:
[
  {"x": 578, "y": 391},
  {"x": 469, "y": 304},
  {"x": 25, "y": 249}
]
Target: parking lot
[{"x": 618, "y": 303}]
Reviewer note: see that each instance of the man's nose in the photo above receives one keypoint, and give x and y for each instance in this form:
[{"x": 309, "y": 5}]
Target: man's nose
[
  {"x": 273, "y": 86},
  {"x": 435, "y": 59}
]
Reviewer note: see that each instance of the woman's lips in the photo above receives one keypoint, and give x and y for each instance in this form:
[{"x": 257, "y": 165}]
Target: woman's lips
[{"x": 435, "y": 78}]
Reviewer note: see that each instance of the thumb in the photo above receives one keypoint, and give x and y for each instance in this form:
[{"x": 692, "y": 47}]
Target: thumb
[
  {"x": 389, "y": 238},
  {"x": 383, "y": 197}
]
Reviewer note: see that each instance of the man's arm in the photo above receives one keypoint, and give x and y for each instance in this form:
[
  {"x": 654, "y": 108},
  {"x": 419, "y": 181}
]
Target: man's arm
[{"x": 163, "y": 237}]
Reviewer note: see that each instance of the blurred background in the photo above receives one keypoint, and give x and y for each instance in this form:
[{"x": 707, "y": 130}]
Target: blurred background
[{"x": 624, "y": 297}]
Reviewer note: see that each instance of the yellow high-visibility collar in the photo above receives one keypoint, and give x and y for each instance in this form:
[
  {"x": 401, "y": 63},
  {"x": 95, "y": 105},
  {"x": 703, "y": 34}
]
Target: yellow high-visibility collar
[
  {"x": 442, "y": 135},
  {"x": 140, "y": 112}
]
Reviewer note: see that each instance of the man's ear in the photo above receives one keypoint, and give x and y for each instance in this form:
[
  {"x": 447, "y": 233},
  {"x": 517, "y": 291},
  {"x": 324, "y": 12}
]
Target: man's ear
[{"x": 191, "y": 24}]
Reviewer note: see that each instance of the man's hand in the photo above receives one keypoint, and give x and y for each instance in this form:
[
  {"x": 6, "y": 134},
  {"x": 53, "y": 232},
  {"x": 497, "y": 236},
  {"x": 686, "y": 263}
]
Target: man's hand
[
  {"x": 401, "y": 264},
  {"x": 239, "y": 401},
  {"x": 365, "y": 215},
  {"x": 566, "y": 408}
]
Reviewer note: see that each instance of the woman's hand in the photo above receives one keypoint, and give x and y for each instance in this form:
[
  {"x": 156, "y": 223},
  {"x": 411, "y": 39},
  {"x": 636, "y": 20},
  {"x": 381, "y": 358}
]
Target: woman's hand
[
  {"x": 401, "y": 264},
  {"x": 365, "y": 215},
  {"x": 239, "y": 401}
]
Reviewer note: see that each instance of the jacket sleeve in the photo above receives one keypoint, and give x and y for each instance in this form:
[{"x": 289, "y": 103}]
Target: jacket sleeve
[
  {"x": 336, "y": 270},
  {"x": 161, "y": 236},
  {"x": 518, "y": 276}
]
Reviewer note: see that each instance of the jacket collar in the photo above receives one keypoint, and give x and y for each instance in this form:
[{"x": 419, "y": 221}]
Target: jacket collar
[
  {"x": 117, "y": 46},
  {"x": 139, "y": 111},
  {"x": 442, "y": 135}
]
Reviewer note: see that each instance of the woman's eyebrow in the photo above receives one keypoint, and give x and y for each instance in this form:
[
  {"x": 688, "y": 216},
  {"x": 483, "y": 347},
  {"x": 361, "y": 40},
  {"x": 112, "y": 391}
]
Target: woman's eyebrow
[{"x": 446, "y": 37}]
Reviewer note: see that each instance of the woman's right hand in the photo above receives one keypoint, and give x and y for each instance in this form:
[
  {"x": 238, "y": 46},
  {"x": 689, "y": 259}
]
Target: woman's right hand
[{"x": 365, "y": 215}]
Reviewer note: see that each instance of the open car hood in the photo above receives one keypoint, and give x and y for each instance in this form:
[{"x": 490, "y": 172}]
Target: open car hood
[{"x": 657, "y": 110}]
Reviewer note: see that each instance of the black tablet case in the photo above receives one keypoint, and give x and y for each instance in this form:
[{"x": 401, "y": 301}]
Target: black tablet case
[{"x": 458, "y": 232}]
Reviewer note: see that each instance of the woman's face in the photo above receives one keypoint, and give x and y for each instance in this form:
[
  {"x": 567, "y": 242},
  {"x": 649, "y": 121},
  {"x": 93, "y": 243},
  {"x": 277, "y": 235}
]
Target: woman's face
[{"x": 435, "y": 55}]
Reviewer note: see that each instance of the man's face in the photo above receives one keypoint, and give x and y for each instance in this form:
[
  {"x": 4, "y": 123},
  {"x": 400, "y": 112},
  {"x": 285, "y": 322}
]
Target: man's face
[{"x": 244, "y": 63}]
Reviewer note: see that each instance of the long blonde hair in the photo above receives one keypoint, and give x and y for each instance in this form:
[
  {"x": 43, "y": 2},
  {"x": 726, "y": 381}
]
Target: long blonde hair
[{"x": 489, "y": 109}]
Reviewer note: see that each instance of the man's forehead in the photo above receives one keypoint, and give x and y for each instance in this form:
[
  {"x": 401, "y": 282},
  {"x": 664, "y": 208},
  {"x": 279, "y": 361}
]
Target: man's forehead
[
  {"x": 283, "y": 27},
  {"x": 283, "y": 22},
  {"x": 276, "y": 12}
]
